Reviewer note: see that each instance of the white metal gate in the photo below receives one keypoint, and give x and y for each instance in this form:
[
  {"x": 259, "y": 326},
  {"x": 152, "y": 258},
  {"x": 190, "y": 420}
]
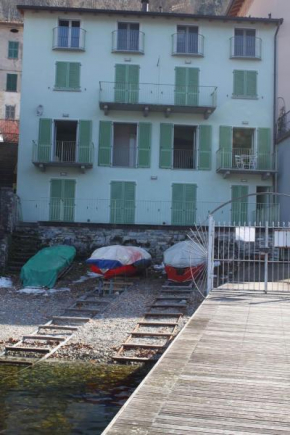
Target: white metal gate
[{"x": 244, "y": 257}]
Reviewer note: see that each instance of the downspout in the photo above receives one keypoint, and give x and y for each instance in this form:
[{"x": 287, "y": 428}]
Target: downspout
[{"x": 275, "y": 108}]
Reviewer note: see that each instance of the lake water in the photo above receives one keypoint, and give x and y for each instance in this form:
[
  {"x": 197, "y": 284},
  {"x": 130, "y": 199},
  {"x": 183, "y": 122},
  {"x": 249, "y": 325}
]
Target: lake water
[{"x": 63, "y": 398}]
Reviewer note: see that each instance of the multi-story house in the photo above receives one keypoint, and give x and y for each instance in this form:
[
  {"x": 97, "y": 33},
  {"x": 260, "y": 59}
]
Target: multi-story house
[
  {"x": 11, "y": 34},
  {"x": 136, "y": 117},
  {"x": 277, "y": 8}
]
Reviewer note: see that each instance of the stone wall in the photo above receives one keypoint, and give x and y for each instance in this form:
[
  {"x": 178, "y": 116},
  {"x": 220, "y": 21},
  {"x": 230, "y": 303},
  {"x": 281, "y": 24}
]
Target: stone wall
[{"x": 8, "y": 221}]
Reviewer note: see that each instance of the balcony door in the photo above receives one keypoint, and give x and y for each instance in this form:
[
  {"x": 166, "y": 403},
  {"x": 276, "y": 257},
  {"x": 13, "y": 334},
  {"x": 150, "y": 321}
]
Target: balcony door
[
  {"x": 128, "y": 37},
  {"x": 243, "y": 154},
  {"x": 184, "y": 147},
  {"x": 65, "y": 143},
  {"x": 125, "y": 145},
  {"x": 187, "y": 40},
  {"x": 69, "y": 34},
  {"x": 245, "y": 42}
]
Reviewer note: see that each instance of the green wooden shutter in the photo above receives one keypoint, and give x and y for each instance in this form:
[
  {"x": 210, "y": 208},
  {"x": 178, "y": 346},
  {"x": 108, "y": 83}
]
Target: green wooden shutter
[
  {"x": 264, "y": 149},
  {"x": 129, "y": 202},
  {"x": 251, "y": 83},
  {"x": 183, "y": 204},
  {"x": 166, "y": 142},
  {"x": 133, "y": 83},
  {"x": 11, "y": 83},
  {"x": 13, "y": 47},
  {"x": 144, "y": 144},
  {"x": 74, "y": 75},
  {"x": 239, "y": 83},
  {"x": 239, "y": 206},
  {"x": 44, "y": 140},
  {"x": 61, "y": 75},
  {"x": 122, "y": 202},
  {"x": 180, "y": 86},
  {"x": 225, "y": 147},
  {"x": 120, "y": 83},
  {"x": 68, "y": 198},
  {"x": 192, "y": 86},
  {"x": 55, "y": 200},
  {"x": 105, "y": 143},
  {"x": 204, "y": 149},
  {"x": 85, "y": 140}
]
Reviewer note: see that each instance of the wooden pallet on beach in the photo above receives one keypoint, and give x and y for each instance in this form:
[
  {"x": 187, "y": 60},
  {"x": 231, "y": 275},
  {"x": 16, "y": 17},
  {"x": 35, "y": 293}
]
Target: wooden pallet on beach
[{"x": 162, "y": 319}]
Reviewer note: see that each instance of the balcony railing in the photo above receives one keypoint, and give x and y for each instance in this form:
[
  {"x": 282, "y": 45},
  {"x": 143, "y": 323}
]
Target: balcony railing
[
  {"x": 131, "y": 41},
  {"x": 244, "y": 160},
  {"x": 125, "y": 156},
  {"x": 63, "y": 153},
  {"x": 283, "y": 126},
  {"x": 189, "y": 44},
  {"x": 146, "y": 212},
  {"x": 69, "y": 38},
  {"x": 184, "y": 159},
  {"x": 158, "y": 97},
  {"x": 247, "y": 47}
]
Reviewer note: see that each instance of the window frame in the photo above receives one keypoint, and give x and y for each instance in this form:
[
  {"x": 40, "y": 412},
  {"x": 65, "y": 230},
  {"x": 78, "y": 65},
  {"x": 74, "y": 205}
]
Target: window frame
[
  {"x": 128, "y": 31},
  {"x": 245, "y": 85},
  {"x": 9, "y": 107},
  {"x": 244, "y": 43},
  {"x": 14, "y": 50},
  {"x": 8, "y": 85},
  {"x": 69, "y": 35},
  {"x": 187, "y": 42},
  {"x": 67, "y": 88}
]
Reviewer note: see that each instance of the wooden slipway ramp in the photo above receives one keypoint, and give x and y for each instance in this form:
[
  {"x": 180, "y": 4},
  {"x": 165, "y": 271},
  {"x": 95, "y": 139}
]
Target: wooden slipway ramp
[
  {"x": 153, "y": 334},
  {"x": 48, "y": 338},
  {"x": 227, "y": 372}
]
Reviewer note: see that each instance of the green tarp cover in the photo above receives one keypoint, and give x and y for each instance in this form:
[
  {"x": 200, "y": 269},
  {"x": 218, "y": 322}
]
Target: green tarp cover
[{"x": 43, "y": 269}]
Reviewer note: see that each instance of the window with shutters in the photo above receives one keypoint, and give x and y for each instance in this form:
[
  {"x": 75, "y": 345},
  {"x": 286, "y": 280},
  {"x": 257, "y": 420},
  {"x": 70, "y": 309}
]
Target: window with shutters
[
  {"x": 13, "y": 47},
  {"x": 245, "y": 84},
  {"x": 127, "y": 84},
  {"x": 243, "y": 152},
  {"x": 122, "y": 202},
  {"x": 67, "y": 77},
  {"x": 10, "y": 112},
  {"x": 183, "y": 204},
  {"x": 186, "y": 90},
  {"x": 131, "y": 145},
  {"x": 239, "y": 205},
  {"x": 11, "y": 83},
  {"x": 128, "y": 36},
  {"x": 65, "y": 145},
  {"x": 62, "y": 200}
]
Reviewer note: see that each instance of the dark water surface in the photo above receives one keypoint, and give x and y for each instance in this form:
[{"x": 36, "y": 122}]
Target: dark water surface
[{"x": 61, "y": 398}]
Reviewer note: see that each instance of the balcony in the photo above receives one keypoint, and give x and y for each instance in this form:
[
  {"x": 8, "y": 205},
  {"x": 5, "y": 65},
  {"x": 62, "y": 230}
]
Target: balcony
[
  {"x": 150, "y": 97},
  {"x": 63, "y": 154},
  {"x": 128, "y": 41},
  {"x": 283, "y": 126},
  {"x": 245, "y": 48},
  {"x": 69, "y": 38},
  {"x": 245, "y": 161},
  {"x": 187, "y": 44}
]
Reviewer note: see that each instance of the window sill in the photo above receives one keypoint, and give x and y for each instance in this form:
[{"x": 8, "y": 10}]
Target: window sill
[
  {"x": 242, "y": 97},
  {"x": 188, "y": 54},
  {"x": 13, "y": 58},
  {"x": 67, "y": 90},
  {"x": 246, "y": 57},
  {"x": 128, "y": 51},
  {"x": 8, "y": 90}
]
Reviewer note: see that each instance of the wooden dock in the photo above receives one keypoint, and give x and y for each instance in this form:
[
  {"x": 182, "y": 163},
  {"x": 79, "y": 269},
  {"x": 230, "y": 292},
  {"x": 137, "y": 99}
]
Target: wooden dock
[{"x": 227, "y": 372}]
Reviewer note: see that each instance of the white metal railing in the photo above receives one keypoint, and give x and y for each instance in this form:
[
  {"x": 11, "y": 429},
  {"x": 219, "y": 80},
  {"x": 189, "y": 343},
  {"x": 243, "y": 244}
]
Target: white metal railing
[
  {"x": 64, "y": 152},
  {"x": 184, "y": 159},
  {"x": 128, "y": 40},
  {"x": 245, "y": 47},
  {"x": 157, "y": 94},
  {"x": 72, "y": 38},
  {"x": 125, "y": 156},
  {"x": 191, "y": 44},
  {"x": 146, "y": 212},
  {"x": 244, "y": 159}
]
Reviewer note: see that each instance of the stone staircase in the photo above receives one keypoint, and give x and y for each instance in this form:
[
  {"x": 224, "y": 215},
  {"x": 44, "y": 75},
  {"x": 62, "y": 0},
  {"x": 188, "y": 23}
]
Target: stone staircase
[{"x": 22, "y": 247}]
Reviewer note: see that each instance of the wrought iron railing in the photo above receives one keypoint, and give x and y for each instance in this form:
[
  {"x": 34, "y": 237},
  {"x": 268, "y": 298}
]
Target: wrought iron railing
[
  {"x": 244, "y": 159},
  {"x": 146, "y": 212},
  {"x": 245, "y": 47},
  {"x": 158, "y": 94},
  {"x": 184, "y": 159},
  {"x": 128, "y": 41},
  {"x": 283, "y": 125},
  {"x": 190, "y": 44},
  {"x": 69, "y": 38},
  {"x": 63, "y": 152}
]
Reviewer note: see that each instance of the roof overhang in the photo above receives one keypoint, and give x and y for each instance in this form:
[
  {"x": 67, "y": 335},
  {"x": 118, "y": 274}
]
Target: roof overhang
[{"x": 167, "y": 15}]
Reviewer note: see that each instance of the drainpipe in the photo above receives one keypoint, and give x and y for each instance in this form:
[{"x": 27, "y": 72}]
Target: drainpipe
[{"x": 275, "y": 107}]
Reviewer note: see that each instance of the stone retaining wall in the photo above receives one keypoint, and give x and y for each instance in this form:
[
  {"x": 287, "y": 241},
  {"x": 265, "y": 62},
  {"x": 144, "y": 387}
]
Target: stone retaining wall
[{"x": 8, "y": 221}]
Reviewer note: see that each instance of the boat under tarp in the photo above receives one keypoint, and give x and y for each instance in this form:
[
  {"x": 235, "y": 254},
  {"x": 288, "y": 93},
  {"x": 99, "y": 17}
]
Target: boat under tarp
[
  {"x": 110, "y": 261},
  {"x": 184, "y": 261},
  {"x": 44, "y": 268}
]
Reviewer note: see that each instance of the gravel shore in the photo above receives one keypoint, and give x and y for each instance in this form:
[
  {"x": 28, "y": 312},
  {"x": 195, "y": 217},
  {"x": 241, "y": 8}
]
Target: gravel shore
[{"x": 97, "y": 340}]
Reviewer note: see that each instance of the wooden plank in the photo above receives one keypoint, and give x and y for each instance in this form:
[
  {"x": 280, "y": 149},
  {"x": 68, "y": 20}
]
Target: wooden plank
[
  {"x": 151, "y": 334},
  {"x": 160, "y": 314},
  {"x": 144, "y": 323},
  {"x": 68, "y": 318},
  {"x": 27, "y": 349},
  {"x": 44, "y": 338},
  {"x": 59, "y": 327},
  {"x": 144, "y": 346}
]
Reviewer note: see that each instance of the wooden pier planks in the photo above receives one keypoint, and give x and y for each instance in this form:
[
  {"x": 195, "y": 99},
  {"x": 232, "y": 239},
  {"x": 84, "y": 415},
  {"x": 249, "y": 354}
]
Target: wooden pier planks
[{"x": 227, "y": 372}]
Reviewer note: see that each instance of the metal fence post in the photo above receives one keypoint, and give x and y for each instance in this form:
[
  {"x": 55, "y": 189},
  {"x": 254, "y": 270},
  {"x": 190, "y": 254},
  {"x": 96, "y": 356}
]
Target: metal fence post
[
  {"x": 266, "y": 256},
  {"x": 210, "y": 253}
]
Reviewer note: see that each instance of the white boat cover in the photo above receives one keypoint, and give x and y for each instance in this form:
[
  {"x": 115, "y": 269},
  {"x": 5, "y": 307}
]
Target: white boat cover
[
  {"x": 185, "y": 254},
  {"x": 117, "y": 255}
]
